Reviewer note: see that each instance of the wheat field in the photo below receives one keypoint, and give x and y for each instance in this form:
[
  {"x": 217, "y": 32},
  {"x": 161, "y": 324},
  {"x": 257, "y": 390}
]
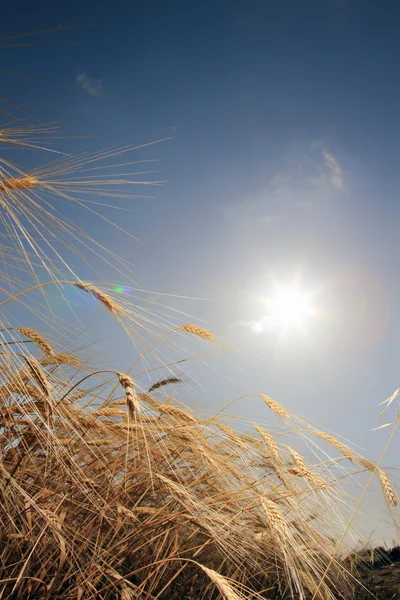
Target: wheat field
[{"x": 111, "y": 488}]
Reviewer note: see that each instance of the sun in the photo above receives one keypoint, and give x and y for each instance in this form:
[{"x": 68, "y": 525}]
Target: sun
[{"x": 289, "y": 308}]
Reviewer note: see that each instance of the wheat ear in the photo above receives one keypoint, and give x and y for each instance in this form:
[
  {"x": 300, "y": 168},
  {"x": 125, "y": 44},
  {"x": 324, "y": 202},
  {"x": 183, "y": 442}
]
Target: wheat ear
[
  {"x": 334, "y": 442},
  {"x": 39, "y": 374},
  {"x": 102, "y": 297},
  {"x": 33, "y": 335},
  {"x": 222, "y": 584},
  {"x": 163, "y": 382},
  {"x": 18, "y": 183},
  {"x": 131, "y": 397},
  {"x": 174, "y": 411},
  {"x": 387, "y": 487},
  {"x": 269, "y": 441},
  {"x": 305, "y": 471},
  {"x": 60, "y": 359},
  {"x": 276, "y": 407},
  {"x": 275, "y": 519},
  {"x": 199, "y": 331}
]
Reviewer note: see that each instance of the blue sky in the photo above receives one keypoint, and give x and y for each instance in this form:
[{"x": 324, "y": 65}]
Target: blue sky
[{"x": 283, "y": 164}]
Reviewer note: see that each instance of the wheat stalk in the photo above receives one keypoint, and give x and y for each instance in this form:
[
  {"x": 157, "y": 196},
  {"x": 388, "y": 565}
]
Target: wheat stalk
[
  {"x": 132, "y": 398},
  {"x": 311, "y": 585}
]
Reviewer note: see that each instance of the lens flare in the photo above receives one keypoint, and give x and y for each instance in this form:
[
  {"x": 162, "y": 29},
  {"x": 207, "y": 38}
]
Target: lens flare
[{"x": 122, "y": 289}]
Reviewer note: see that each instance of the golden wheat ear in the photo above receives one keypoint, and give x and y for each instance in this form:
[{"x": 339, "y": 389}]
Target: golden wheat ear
[
  {"x": 104, "y": 299},
  {"x": 61, "y": 359},
  {"x": 227, "y": 591},
  {"x": 132, "y": 398},
  {"x": 269, "y": 441},
  {"x": 277, "y": 408},
  {"x": 198, "y": 331},
  {"x": 37, "y": 338},
  {"x": 387, "y": 487},
  {"x": 18, "y": 183}
]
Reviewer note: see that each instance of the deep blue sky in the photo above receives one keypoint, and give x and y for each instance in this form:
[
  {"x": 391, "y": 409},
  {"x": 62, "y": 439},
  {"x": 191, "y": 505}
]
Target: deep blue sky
[{"x": 284, "y": 160}]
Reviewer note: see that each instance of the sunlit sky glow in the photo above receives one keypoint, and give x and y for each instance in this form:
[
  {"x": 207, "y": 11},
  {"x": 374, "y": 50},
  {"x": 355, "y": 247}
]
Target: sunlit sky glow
[{"x": 288, "y": 307}]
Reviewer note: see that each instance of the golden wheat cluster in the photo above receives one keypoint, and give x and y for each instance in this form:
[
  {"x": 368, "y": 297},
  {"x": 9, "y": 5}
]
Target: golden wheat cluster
[{"x": 113, "y": 493}]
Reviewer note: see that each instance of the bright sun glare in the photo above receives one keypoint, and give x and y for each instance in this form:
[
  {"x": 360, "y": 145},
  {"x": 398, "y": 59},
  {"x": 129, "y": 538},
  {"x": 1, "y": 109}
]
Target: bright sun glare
[{"x": 289, "y": 307}]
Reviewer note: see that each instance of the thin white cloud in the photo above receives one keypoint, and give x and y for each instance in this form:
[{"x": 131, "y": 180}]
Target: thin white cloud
[
  {"x": 263, "y": 325},
  {"x": 307, "y": 170},
  {"x": 334, "y": 169},
  {"x": 91, "y": 86},
  {"x": 304, "y": 181}
]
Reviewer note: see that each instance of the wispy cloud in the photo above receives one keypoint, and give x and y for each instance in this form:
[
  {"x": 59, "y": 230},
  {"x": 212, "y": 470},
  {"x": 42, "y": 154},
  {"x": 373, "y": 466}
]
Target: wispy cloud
[
  {"x": 90, "y": 85},
  {"x": 307, "y": 177},
  {"x": 312, "y": 169},
  {"x": 334, "y": 169},
  {"x": 264, "y": 325}
]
